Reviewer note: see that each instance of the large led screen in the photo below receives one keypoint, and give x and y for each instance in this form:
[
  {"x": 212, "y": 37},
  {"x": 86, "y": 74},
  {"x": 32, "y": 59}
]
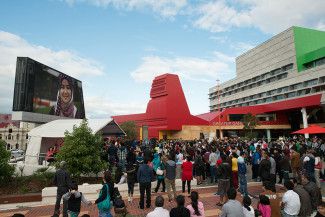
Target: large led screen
[{"x": 42, "y": 89}]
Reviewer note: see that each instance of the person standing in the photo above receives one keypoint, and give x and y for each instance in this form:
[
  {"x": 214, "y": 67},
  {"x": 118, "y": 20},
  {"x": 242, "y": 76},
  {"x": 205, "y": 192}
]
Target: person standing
[
  {"x": 295, "y": 162},
  {"x": 63, "y": 182},
  {"x": 234, "y": 170},
  {"x": 265, "y": 168},
  {"x": 242, "y": 170},
  {"x": 187, "y": 174},
  {"x": 213, "y": 161},
  {"x": 104, "y": 198},
  {"x": 256, "y": 158},
  {"x": 145, "y": 176},
  {"x": 74, "y": 199},
  {"x": 131, "y": 179},
  {"x": 159, "y": 211},
  {"x": 309, "y": 165},
  {"x": 199, "y": 168},
  {"x": 179, "y": 162},
  {"x": 285, "y": 168},
  {"x": 161, "y": 178},
  {"x": 305, "y": 201},
  {"x": 224, "y": 174},
  {"x": 313, "y": 191},
  {"x": 272, "y": 170},
  {"x": 121, "y": 154},
  {"x": 290, "y": 201},
  {"x": 170, "y": 175}
]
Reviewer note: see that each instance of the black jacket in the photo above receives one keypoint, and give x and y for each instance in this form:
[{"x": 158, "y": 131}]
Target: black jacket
[
  {"x": 180, "y": 212},
  {"x": 62, "y": 179},
  {"x": 264, "y": 169}
]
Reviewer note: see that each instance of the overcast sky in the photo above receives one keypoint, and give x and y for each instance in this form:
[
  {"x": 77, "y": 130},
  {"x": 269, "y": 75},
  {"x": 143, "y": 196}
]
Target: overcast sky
[{"x": 116, "y": 47}]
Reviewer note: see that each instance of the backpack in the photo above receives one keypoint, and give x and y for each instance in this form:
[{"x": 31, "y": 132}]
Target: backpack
[{"x": 105, "y": 204}]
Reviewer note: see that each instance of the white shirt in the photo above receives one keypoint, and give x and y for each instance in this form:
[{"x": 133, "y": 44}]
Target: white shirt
[
  {"x": 179, "y": 158},
  {"x": 158, "y": 212},
  {"x": 249, "y": 213},
  {"x": 292, "y": 202}
]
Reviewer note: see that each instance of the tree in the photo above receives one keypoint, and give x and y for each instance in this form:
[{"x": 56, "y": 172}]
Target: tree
[
  {"x": 81, "y": 151},
  {"x": 250, "y": 122},
  {"x": 6, "y": 170},
  {"x": 130, "y": 128}
]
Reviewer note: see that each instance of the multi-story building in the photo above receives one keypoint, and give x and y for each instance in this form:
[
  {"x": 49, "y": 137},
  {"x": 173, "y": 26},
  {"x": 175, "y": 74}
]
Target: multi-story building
[
  {"x": 288, "y": 66},
  {"x": 16, "y": 137},
  {"x": 281, "y": 82}
]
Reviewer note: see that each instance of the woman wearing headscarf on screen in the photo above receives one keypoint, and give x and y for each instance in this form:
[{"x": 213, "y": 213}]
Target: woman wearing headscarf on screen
[{"x": 64, "y": 105}]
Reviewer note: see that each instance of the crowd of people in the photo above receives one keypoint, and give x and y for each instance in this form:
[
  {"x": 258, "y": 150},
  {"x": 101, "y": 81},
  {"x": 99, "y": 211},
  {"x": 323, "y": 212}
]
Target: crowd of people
[
  {"x": 295, "y": 163},
  {"x": 226, "y": 163}
]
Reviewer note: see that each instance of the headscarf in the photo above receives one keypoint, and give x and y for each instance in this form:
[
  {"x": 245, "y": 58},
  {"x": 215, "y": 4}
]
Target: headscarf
[{"x": 67, "y": 110}]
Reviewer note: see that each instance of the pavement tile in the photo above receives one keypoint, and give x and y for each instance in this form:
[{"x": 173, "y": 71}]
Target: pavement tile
[{"x": 206, "y": 196}]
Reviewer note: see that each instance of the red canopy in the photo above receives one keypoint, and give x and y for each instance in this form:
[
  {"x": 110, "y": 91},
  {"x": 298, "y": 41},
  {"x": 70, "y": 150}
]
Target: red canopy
[{"x": 312, "y": 129}]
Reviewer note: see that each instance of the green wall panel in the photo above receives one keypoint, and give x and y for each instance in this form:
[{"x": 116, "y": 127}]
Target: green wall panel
[{"x": 309, "y": 44}]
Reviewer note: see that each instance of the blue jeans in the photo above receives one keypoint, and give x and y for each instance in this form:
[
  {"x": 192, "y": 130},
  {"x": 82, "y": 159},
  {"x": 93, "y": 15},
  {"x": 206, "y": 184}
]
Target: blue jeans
[
  {"x": 102, "y": 213},
  {"x": 284, "y": 214},
  {"x": 285, "y": 175},
  {"x": 243, "y": 184},
  {"x": 213, "y": 174}
]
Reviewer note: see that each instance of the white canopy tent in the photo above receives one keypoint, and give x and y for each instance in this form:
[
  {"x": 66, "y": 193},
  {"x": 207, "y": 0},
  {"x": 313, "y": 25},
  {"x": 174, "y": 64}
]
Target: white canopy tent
[{"x": 46, "y": 135}]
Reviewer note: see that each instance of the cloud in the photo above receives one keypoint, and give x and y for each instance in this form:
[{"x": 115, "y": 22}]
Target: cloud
[
  {"x": 217, "y": 16},
  {"x": 268, "y": 16},
  {"x": 12, "y": 46},
  {"x": 189, "y": 68},
  {"x": 102, "y": 107},
  {"x": 165, "y": 8}
]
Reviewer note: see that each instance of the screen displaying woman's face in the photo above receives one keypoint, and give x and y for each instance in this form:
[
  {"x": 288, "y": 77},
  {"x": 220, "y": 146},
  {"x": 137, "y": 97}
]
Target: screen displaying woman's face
[{"x": 65, "y": 91}]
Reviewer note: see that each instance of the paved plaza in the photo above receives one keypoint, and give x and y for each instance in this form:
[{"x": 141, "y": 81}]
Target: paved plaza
[{"x": 206, "y": 196}]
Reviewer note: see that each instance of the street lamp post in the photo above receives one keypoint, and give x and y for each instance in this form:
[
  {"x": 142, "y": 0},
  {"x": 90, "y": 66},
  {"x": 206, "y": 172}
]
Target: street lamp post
[{"x": 218, "y": 106}]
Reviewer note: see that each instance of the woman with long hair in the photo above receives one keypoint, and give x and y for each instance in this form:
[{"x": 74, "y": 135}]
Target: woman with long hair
[
  {"x": 64, "y": 106},
  {"x": 103, "y": 201},
  {"x": 196, "y": 207}
]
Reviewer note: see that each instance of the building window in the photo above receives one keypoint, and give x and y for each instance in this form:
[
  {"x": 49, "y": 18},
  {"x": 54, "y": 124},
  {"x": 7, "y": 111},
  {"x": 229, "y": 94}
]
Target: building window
[
  {"x": 9, "y": 137},
  {"x": 17, "y": 136},
  {"x": 10, "y": 130},
  {"x": 8, "y": 146},
  {"x": 0, "y": 136},
  {"x": 292, "y": 94},
  {"x": 269, "y": 99},
  {"x": 17, "y": 146},
  {"x": 320, "y": 61},
  {"x": 26, "y": 136},
  {"x": 279, "y": 97},
  {"x": 310, "y": 82}
]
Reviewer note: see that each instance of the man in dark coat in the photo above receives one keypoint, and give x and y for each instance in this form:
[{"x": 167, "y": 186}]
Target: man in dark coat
[
  {"x": 265, "y": 168},
  {"x": 63, "y": 182},
  {"x": 313, "y": 190},
  {"x": 305, "y": 201}
]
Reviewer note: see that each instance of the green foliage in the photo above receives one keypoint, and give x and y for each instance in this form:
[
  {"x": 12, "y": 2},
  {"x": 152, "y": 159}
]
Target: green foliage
[
  {"x": 130, "y": 128},
  {"x": 250, "y": 122},
  {"x": 6, "y": 170},
  {"x": 81, "y": 151}
]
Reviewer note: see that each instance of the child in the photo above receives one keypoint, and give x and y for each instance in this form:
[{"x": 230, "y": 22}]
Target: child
[
  {"x": 264, "y": 206},
  {"x": 74, "y": 198},
  {"x": 321, "y": 210},
  {"x": 247, "y": 208}
]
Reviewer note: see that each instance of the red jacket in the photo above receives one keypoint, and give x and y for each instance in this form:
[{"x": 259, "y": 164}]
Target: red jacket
[{"x": 187, "y": 171}]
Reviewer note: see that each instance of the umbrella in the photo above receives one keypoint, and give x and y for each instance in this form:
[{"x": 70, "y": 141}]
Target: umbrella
[{"x": 312, "y": 129}]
